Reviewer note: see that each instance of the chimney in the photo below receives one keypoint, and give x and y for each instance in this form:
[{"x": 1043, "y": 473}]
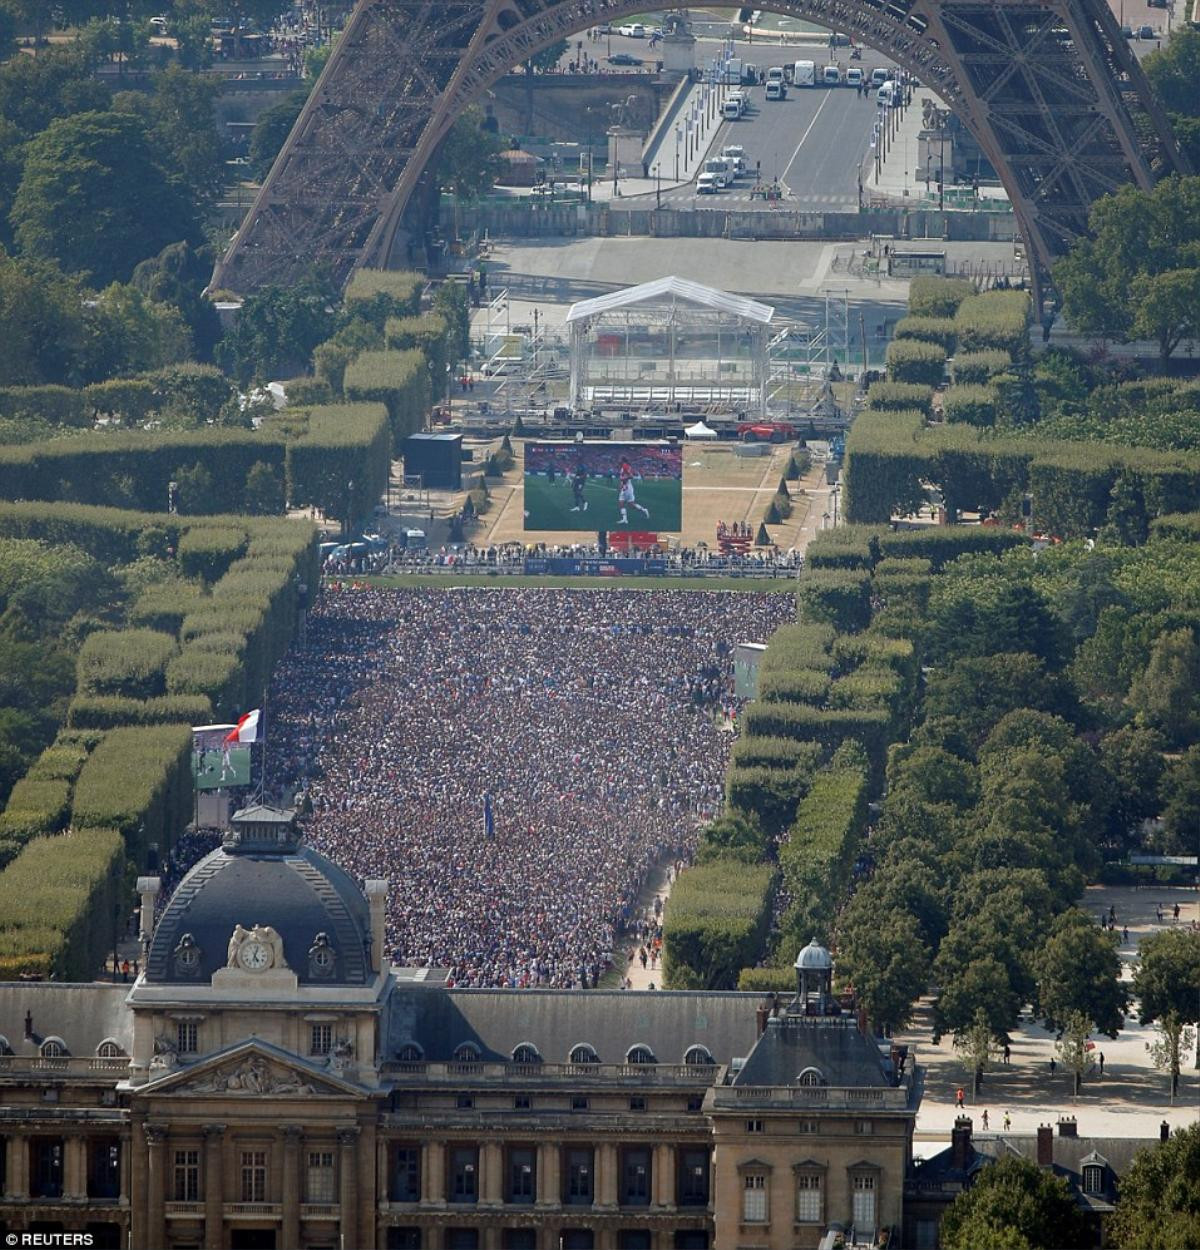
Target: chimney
[
  {"x": 29, "y": 1038},
  {"x": 960, "y": 1142},
  {"x": 1045, "y": 1147},
  {"x": 148, "y": 888},
  {"x": 761, "y": 1016},
  {"x": 1164, "y": 1129},
  {"x": 376, "y": 890},
  {"x": 1067, "y": 1127}
]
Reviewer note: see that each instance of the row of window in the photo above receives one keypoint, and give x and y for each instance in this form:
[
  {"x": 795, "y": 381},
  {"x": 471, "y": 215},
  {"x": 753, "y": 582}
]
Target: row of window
[
  {"x": 864, "y": 1128},
  {"x": 581, "y": 1053},
  {"x": 56, "y": 1048},
  {"x": 320, "y": 1178},
  {"x": 579, "y": 1102},
  {"x": 187, "y": 1038},
  {"x": 47, "y": 1167},
  {"x": 578, "y": 1184},
  {"x": 527, "y": 1239},
  {"x": 809, "y": 1198}
]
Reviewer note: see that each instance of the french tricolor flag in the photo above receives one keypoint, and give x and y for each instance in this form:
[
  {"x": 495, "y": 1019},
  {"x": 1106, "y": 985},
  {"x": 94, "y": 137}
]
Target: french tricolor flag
[{"x": 246, "y": 730}]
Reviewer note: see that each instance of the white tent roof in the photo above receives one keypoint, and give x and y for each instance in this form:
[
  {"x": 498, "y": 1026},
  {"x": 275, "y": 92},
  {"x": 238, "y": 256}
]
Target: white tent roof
[
  {"x": 675, "y": 288},
  {"x": 700, "y": 430}
]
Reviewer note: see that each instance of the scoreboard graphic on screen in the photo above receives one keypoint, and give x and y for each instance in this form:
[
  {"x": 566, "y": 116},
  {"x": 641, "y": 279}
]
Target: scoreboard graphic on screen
[{"x": 604, "y": 486}]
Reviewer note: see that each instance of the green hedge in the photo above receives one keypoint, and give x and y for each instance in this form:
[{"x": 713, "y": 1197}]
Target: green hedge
[
  {"x": 979, "y": 367},
  {"x": 844, "y": 547},
  {"x": 930, "y": 296},
  {"x": 207, "y": 553},
  {"x": 1185, "y": 525},
  {"x": 302, "y": 392},
  {"x": 759, "y": 752},
  {"x": 716, "y": 922},
  {"x": 429, "y": 333},
  {"x": 886, "y": 463},
  {"x": 767, "y": 980},
  {"x": 995, "y": 321},
  {"x": 971, "y": 405},
  {"x": 164, "y": 605},
  {"x": 939, "y": 330},
  {"x": 837, "y": 597},
  {"x": 794, "y": 685},
  {"x": 343, "y": 443},
  {"x": 872, "y": 686},
  {"x": 829, "y": 727},
  {"x": 58, "y": 899},
  {"x": 36, "y": 807},
  {"x": 110, "y": 711},
  {"x": 377, "y": 294},
  {"x": 131, "y": 400},
  {"x": 900, "y": 397},
  {"x": 128, "y": 662},
  {"x": 138, "y": 781},
  {"x": 941, "y": 544},
  {"x": 55, "y": 405},
  {"x": 798, "y": 646},
  {"x": 398, "y": 380},
  {"x": 909, "y": 360},
  {"x": 770, "y": 793}
]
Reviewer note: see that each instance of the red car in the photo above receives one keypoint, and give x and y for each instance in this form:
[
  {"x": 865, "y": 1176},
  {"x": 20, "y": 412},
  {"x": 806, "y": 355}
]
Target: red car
[{"x": 766, "y": 431}]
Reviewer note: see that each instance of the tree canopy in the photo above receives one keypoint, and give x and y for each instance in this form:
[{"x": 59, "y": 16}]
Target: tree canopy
[
  {"x": 1013, "y": 1203},
  {"x": 1160, "y": 1197}
]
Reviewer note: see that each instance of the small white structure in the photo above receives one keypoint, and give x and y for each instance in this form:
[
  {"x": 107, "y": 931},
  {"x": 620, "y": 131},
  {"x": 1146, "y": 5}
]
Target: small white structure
[
  {"x": 699, "y": 431},
  {"x": 669, "y": 343}
]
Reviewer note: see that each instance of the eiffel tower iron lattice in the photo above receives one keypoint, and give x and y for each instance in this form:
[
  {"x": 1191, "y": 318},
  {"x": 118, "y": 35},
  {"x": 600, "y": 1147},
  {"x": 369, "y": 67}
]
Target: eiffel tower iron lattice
[{"x": 1049, "y": 88}]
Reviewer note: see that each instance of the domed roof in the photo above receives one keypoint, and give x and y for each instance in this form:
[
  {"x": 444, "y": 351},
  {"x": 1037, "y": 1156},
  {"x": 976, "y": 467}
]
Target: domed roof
[
  {"x": 814, "y": 958},
  {"x": 261, "y": 875}
]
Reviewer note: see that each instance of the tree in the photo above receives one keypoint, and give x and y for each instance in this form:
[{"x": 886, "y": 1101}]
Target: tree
[
  {"x": 936, "y": 776},
  {"x": 42, "y": 315},
  {"x": 277, "y": 329},
  {"x": 1167, "y": 977},
  {"x": 34, "y": 90},
  {"x": 884, "y": 957},
  {"x": 1130, "y": 277},
  {"x": 127, "y": 333},
  {"x": 178, "y": 276},
  {"x": 271, "y": 131},
  {"x": 1173, "y": 72},
  {"x": 981, "y": 984},
  {"x": 545, "y": 60},
  {"x": 468, "y": 161},
  {"x": 1132, "y": 757},
  {"x": 1160, "y": 1197},
  {"x": 1078, "y": 971},
  {"x": 264, "y": 490},
  {"x": 1014, "y": 1198},
  {"x": 95, "y": 198},
  {"x": 1181, "y": 799},
  {"x": 1167, "y": 1048},
  {"x": 195, "y": 489},
  {"x": 735, "y": 834},
  {"x": 1167, "y": 694},
  {"x": 193, "y": 41},
  {"x": 1072, "y": 1047},
  {"x": 975, "y": 1045}
]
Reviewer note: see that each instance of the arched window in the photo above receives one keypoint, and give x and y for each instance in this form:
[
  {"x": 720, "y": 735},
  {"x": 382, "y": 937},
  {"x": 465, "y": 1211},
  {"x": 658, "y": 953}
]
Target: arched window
[
  {"x": 54, "y": 1048},
  {"x": 5, "y": 1048},
  {"x": 698, "y": 1055},
  {"x": 640, "y": 1053},
  {"x": 108, "y": 1049},
  {"x": 584, "y": 1053},
  {"x": 811, "y": 1076},
  {"x": 526, "y": 1052},
  {"x": 466, "y": 1052},
  {"x": 410, "y": 1052}
]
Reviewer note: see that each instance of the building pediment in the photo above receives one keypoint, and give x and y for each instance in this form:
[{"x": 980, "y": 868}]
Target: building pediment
[{"x": 252, "y": 1069}]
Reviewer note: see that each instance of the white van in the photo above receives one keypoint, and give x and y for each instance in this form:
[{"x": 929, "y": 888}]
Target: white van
[
  {"x": 854, "y": 77},
  {"x": 776, "y": 91},
  {"x": 879, "y": 77},
  {"x": 707, "y": 184},
  {"x": 733, "y": 108},
  {"x": 735, "y": 154},
  {"x": 775, "y": 74},
  {"x": 831, "y": 76},
  {"x": 804, "y": 74},
  {"x": 721, "y": 170},
  {"x": 887, "y": 95}
]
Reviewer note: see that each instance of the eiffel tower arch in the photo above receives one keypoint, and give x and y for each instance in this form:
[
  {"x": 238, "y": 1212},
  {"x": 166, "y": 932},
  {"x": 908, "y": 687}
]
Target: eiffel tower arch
[{"x": 1049, "y": 88}]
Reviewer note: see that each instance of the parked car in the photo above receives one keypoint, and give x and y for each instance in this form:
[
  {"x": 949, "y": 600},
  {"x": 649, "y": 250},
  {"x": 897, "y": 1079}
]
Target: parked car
[
  {"x": 776, "y": 91},
  {"x": 854, "y": 77},
  {"x": 1146, "y": 32},
  {"x": 624, "y": 58},
  {"x": 634, "y": 30},
  {"x": 708, "y": 184},
  {"x": 766, "y": 431}
]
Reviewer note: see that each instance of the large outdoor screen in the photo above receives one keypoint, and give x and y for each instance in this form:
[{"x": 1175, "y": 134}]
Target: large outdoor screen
[{"x": 603, "y": 486}]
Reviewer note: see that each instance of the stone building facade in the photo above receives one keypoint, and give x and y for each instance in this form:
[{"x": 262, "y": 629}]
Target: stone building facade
[{"x": 269, "y": 1081}]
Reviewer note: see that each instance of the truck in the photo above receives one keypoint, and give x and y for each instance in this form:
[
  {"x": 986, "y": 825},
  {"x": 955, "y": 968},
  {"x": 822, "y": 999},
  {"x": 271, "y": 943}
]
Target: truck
[
  {"x": 804, "y": 74},
  {"x": 721, "y": 169}
]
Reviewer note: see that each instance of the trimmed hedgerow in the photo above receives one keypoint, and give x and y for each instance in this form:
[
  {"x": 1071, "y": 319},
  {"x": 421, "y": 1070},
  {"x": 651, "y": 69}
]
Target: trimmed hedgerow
[
  {"x": 932, "y": 296},
  {"x": 969, "y": 405},
  {"x": 794, "y": 685},
  {"x": 377, "y": 294},
  {"x": 900, "y": 397},
  {"x": 767, "y": 980},
  {"x": 886, "y": 464},
  {"x": 939, "y": 330},
  {"x": 343, "y": 444},
  {"x": 55, "y": 405},
  {"x": 770, "y": 793},
  {"x": 837, "y": 597},
  {"x": 137, "y": 781},
  {"x": 35, "y": 807},
  {"x": 798, "y": 646},
  {"x": 428, "y": 333},
  {"x": 969, "y": 368},
  {"x": 757, "y": 752},
  {"x": 206, "y": 553},
  {"x": 57, "y": 898},
  {"x": 164, "y": 605},
  {"x": 398, "y": 380},
  {"x": 110, "y": 712},
  {"x": 829, "y": 727},
  {"x": 909, "y": 360},
  {"x": 127, "y": 662},
  {"x": 1185, "y": 525},
  {"x": 995, "y": 321},
  {"x": 845, "y": 547},
  {"x": 716, "y": 922}
]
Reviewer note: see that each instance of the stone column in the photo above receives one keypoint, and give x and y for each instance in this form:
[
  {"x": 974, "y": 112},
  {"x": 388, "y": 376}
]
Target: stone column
[
  {"x": 214, "y": 1187},
  {"x": 369, "y": 1196},
  {"x": 348, "y": 1171},
  {"x": 607, "y": 1181},
  {"x": 549, "y": 1175},
  {"x": 126, "y": 1166},
  {"x": 75, "y": 1168},
  {"x": 663, "y": 1193},
  {"x": 16, "y": 1179},
  {"x": 293, "y": 1163},
  {"x": 156, "y": 1179},
  {"x": 433, "y": 1173},
  {"x": 491, "y": 1174}
]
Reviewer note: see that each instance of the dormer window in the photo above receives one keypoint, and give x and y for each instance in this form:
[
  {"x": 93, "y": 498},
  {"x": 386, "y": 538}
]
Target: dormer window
[
  {"x": 698, "y": 1056},
  {"x": 466, "y": 1052},
  {"x": 640, "y": 1054},
  {"x": 108, "y": 1049},
  {"x": 527, "y": 1052},
  {"x": 1093, "y": 1179},
  {"x": 583, "y": 1053},
  {"x": 53, "y": 1048},
  {"x": 410, "y": 1052},
  {"x": 811, "y": 1076}
]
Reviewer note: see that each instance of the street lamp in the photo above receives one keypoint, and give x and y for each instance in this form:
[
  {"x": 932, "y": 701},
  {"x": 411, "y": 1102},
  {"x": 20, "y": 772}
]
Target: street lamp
[
  {"x": 657, "y": 185},
  {"x": 678, "y": 136}
]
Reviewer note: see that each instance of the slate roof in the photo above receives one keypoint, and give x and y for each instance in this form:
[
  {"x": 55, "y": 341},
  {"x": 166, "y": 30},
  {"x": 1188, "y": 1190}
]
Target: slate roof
[
  {"x": 611, "y": 1021},
  {"x": 834, "y": 1045},
  {"x": 293, "y": 889},
  {"x": 82, "y": 1016}
]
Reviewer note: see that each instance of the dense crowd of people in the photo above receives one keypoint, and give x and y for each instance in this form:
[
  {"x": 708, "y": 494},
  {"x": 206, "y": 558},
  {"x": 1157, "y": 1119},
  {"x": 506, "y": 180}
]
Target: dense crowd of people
[{"x": 514, "y": 761}]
